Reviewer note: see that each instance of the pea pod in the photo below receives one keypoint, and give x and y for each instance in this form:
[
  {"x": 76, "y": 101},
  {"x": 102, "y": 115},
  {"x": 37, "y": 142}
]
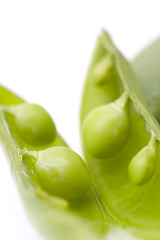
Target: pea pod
[
  {"x": 147, "y": 68},
  {"x": 120, "y": 139},
  {"x": 53, "y": 181}
]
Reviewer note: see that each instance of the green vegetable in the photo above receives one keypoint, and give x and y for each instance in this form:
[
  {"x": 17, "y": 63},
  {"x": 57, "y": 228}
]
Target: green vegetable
[
  {"x": 142, "y": 166},
  {"x": 63, "y": 173},
  {"x": 117, "y": 191},
  {"x": 105, "y": 129},
  {"x": 32, "y": 125},
  {"x": 124, "y": 167},
  {"x": 52, "y": 179}
]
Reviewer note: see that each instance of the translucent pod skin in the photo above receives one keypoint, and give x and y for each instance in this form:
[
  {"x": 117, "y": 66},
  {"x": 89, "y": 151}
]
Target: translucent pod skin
[
  {"x": 62, "y": 173},
  {"x": 9, "y": 98},
  {"x": 147, "y": 69},
  {"x": 103, "y": 70},
  {"x": 142, "y": 166},
  {"x": 33, "y": 124},
  {"x": 105, "y": 130}
]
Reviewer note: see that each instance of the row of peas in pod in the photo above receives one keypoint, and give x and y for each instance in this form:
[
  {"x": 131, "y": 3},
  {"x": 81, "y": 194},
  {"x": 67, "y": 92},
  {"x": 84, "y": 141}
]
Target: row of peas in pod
[{"x": 114, "y": 190}]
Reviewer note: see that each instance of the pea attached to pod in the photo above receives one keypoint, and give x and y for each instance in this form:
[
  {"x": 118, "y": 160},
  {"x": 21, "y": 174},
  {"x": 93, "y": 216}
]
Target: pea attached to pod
[
  {"x": 142, "y": 165},
  {"x": 105, "y": 129},
  {"x": 33, "y": 124},
  {"x": 62, "y": 172}
]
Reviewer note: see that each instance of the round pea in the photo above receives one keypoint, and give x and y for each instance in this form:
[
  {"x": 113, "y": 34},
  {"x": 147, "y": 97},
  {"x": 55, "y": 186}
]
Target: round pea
[
  {"x": 142, "y": 166},
  {"x": 34, "y": 125},
  {"x": 63, "y": 173},
  {"x": 105, "y": 130}
]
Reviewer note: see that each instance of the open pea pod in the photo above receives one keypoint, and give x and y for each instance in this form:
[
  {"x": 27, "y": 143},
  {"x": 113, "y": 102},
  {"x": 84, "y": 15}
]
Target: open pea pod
[
  {"x": 52, "y": 179},
  {"x": 120, "y": 139},
  {"x": 147, "y": 68}
]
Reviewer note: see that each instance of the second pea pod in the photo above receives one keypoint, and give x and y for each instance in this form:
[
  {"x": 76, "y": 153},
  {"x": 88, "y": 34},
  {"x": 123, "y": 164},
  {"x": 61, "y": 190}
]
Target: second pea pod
[{"x": 120, "y": 139}]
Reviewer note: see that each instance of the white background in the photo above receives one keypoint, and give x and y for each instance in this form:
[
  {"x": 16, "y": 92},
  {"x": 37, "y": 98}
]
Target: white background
[{"x": 45, "y": 48}]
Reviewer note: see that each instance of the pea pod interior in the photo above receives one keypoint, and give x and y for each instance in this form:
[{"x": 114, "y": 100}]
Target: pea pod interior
[
  {"x": 127, "y": 180},
  {"x": 52, "y": 179}
]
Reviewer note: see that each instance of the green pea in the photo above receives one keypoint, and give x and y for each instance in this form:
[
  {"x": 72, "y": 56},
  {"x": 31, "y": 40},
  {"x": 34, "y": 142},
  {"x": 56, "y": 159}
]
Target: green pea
[
  {"x": 142, "y": 165},
  {"x": 62, "y": 173},
  {"x": 33, "y": 124},
  {"x": 105, "y": 130}
]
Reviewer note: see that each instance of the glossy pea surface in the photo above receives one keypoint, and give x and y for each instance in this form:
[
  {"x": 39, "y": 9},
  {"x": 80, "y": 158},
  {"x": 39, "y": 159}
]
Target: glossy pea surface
[
  {"x": 63, "y": 173},
  {"x": 142, "y": 166},
  {"x": 105, "y": 130},
  {"x": 33, "y": 124}
]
